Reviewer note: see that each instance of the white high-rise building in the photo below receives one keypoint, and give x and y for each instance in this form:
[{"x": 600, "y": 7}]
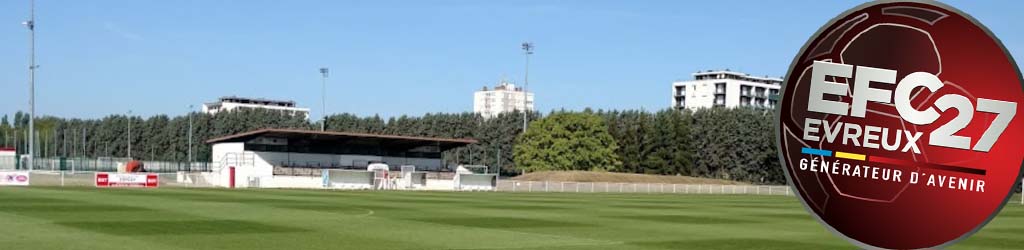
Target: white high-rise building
[
  {"x": 231, "y": 102},
  {"x": 505, "y": 97},
  {"x": 724, "y": 88}
]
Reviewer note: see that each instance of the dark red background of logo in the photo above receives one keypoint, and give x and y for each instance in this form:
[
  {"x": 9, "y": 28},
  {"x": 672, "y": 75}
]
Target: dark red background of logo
[{"x": 907, "y": 37}]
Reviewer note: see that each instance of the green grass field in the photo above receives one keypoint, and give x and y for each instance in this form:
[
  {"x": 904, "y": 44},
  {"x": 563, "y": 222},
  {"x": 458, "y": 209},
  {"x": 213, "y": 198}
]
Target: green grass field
[{"x": 87, "y": 218}]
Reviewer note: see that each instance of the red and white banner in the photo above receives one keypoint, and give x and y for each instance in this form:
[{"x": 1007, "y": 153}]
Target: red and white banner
[
  {"x": 14, "y": 178},
  {"x": 104, "y": 179}
]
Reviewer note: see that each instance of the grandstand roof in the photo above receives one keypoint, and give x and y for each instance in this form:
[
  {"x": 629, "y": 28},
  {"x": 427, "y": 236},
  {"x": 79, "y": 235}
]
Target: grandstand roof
[{"x": 346, "y": 137}]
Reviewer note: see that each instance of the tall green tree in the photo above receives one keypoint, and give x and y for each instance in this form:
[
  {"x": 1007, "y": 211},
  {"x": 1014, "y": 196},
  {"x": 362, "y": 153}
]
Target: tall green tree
[{"x": 567, "y": 141}]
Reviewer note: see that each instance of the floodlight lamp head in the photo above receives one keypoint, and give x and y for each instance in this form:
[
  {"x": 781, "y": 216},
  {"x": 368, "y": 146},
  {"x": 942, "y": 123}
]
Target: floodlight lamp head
[{"x": 527, "y": 48}]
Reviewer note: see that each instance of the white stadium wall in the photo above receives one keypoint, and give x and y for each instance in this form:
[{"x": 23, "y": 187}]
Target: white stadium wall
[{"x": 221, "y": 149}]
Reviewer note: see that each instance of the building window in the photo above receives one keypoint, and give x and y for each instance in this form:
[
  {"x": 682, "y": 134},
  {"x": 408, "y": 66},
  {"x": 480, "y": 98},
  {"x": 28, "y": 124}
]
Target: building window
[{"x": 720, "y": 88}]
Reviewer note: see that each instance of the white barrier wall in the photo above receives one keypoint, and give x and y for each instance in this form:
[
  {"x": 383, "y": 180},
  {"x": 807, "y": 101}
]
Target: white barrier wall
[
  {"x": 348, "y": 179},
  {"x": 283, "y": 181},
  {"x": 439, "y": 185}
]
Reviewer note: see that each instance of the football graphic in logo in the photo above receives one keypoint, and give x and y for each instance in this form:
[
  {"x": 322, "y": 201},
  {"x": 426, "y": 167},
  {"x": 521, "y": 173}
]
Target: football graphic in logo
[{"x": 899, "y": 125}]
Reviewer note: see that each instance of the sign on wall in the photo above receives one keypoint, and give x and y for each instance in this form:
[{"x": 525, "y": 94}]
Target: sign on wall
[
  {"x": 104, "y": 179},
  {"x": 900, "y": 125},
  {"x": 14, "y": 178}
]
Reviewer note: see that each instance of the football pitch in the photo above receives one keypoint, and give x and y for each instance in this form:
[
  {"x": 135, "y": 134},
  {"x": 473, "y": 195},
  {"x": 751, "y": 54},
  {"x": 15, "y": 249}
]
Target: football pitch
[{"x": 89, "y": 218}]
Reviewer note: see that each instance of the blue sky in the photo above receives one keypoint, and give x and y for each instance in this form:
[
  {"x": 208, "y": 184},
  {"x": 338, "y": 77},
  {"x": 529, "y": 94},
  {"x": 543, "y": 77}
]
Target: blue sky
[{"x": 401, "y": 57}]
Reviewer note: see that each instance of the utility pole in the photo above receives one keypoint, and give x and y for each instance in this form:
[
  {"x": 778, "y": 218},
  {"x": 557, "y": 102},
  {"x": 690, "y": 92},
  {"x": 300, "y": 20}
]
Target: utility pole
[
  {"x": 527, "y": 51},
  {"x": 323, "y": 97},
  {"x": 31, "y": 24}
]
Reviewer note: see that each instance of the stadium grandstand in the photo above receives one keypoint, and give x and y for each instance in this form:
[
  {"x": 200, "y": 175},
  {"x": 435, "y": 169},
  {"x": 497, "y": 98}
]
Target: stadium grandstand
[{"x": 291, "y": 158}]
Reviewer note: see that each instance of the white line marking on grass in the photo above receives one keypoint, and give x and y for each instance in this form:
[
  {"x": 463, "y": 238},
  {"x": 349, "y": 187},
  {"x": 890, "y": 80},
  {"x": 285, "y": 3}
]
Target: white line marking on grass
[{"x": 369, "y": 212}]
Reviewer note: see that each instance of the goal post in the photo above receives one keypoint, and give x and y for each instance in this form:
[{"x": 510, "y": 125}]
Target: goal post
[
  {"x": 411, "y": 179},
  {"x": 348, "y": 179}
]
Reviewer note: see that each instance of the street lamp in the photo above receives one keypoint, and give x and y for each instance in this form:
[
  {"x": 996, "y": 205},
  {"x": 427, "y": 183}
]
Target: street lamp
[
  {"x": 323, "y": 98},
  {"x": 527, "y": 51}
]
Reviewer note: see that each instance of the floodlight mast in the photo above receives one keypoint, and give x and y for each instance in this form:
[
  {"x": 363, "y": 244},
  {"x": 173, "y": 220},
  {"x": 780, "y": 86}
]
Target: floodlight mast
[
  {"x": 527, "y": 51},
  {"x": 31, "y": 24},
  {"x": 323, "y": 98},
  {"x": 190, "y": 109},
  {"x": 129, "y": 134}
]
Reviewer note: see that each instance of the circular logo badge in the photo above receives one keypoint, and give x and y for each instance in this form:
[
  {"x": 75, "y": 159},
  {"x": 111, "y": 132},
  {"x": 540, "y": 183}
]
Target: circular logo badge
[{"x": 900, "y": 123}]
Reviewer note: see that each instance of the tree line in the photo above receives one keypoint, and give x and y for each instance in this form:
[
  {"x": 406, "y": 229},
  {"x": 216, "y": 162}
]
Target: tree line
[{"x": 735, "y": 144}]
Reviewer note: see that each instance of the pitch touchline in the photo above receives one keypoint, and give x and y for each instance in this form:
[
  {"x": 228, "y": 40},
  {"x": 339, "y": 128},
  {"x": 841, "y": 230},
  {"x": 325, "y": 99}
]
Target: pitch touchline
[{"x": 887, "y": 160}]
